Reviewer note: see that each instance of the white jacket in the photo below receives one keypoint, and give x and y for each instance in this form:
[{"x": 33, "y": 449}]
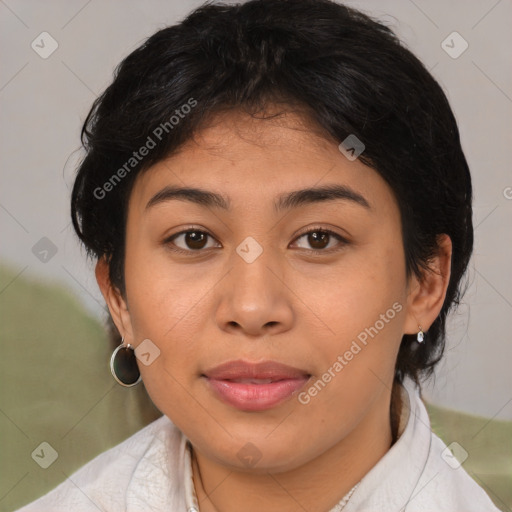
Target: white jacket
[{"x": 151, "y": 471}]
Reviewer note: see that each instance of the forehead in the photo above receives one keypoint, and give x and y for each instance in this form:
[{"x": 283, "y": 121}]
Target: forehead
[
  {"x": 273, "y": 128},
  {"x": 247, "y": 158}
]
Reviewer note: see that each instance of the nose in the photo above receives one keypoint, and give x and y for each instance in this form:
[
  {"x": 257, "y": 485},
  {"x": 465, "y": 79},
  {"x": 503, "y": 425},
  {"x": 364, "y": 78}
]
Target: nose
[{"x": 254, "y": 298}]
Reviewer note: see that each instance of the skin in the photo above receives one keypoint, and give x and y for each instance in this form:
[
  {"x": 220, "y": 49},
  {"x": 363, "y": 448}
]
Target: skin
[{"x": 209, "y": 306}]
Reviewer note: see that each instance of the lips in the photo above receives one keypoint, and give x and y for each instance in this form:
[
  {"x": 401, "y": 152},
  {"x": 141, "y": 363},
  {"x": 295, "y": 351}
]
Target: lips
[
  {"x": 255, "y": 386},
  {"x": 253, "y": 381},
  {"x": 266, "y": 370}
]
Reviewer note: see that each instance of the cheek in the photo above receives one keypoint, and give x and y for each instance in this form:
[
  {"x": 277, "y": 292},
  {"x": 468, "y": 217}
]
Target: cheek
[
  {"x": 160, "y": 293},
  {"x": 361, "y": 307},
  {"x": 168, "y": 307},
  {"x": 170, "y": 313},
  {"x": 354, "y": 295}
]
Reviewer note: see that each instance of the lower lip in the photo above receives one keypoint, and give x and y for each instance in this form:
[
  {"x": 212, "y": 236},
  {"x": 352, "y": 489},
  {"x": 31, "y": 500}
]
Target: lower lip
[{"x": 256, "y": 397}]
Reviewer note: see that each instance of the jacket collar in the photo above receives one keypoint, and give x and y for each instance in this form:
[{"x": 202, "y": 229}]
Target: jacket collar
[{"x": 403, "y": 464}]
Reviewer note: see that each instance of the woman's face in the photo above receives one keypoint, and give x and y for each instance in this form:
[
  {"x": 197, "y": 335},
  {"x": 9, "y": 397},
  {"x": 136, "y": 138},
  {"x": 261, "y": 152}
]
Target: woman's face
[{"x": 248, "y": 283}]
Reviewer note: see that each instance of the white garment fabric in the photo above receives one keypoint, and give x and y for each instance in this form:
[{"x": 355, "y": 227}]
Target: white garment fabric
[{"x": 151, "y": 471}]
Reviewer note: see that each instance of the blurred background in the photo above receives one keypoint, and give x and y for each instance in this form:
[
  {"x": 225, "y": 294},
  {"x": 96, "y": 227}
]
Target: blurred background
[{"x": 56, "y": 388}]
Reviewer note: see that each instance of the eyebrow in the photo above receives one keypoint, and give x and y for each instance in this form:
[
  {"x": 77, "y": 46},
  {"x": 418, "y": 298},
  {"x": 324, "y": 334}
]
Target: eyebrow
[{"x": 285, "y": 201}]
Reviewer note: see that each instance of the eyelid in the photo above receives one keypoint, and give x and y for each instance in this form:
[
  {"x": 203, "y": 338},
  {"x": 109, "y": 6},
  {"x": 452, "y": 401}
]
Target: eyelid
[
  {"x": 324, "y": 229},
  {"x": 185, "y": 229}
]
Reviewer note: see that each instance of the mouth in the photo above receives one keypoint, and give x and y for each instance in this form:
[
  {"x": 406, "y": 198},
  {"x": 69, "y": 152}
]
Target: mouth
[{"x": 255, "y": 386}]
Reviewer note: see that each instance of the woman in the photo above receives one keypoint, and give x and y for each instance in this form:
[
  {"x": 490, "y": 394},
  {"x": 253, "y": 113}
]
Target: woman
[{"x": 280, "y": 210}]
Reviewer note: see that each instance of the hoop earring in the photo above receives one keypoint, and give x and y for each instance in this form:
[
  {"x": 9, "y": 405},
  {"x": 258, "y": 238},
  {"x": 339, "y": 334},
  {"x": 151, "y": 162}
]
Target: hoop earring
[
  {"x": 123, "y": 365},
  {"x": 420, "y": 336}
]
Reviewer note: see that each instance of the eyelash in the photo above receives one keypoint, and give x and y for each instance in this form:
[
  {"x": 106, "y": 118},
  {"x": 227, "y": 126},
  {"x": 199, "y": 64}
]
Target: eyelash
[{"x": 342, "y": 241}]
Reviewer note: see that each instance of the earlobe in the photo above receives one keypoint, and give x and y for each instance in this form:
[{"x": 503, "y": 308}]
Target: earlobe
[
  {"x": 114, "y": 299},
  {"x": 426, "y": 295}
]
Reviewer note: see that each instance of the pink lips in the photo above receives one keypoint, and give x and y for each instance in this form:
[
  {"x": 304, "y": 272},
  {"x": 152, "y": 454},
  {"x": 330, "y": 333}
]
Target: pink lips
[{"x": 255, "y": 386}]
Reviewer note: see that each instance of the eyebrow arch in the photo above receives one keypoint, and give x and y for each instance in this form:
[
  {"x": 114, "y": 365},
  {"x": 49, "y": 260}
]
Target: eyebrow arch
[
  {"x": 195, "y": 195},
  {"x": 284, "y": 202},
  {"x": 317, "y": 194}
]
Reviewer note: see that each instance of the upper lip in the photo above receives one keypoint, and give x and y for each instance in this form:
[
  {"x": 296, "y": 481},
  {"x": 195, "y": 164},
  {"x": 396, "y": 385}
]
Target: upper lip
[{"x": 246, "y": 370}]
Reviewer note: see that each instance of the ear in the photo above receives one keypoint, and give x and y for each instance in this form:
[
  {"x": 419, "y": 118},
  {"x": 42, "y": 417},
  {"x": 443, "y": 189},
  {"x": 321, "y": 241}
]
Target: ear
[
  {"x": 426, "y": 295},
  {"x": 117, "y": 305}
]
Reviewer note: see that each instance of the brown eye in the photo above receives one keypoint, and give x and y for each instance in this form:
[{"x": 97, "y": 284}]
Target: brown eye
[
  {"x": 320, "y": 240},
  {"x": 191, "y": 240},
  {"x": 195, "y": 239}
]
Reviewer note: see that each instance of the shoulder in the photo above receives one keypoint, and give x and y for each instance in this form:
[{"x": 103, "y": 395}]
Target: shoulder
[
  {"x": 102, "y": 483},
  {"x": 445, "y": 485},
  {"x": 419, "y": 472}
]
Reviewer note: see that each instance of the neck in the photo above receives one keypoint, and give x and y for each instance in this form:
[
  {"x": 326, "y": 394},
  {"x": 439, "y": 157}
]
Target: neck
[{"x": 316, "y": 486}]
